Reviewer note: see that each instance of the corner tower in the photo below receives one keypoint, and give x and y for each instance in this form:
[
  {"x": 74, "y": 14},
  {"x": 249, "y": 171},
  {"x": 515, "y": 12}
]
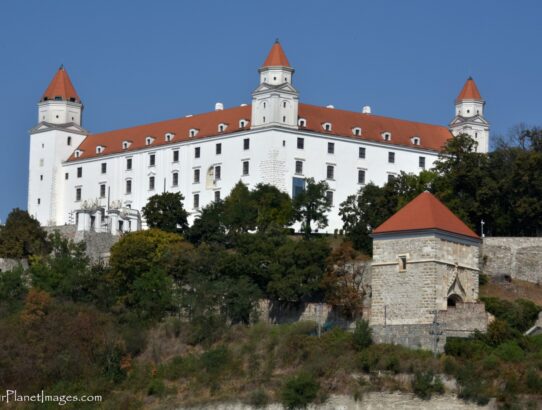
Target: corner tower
[
  {"x": 57, "y": 134},
  {"x": 469, "y": 116},
  {"x": 275, "y": 102}
]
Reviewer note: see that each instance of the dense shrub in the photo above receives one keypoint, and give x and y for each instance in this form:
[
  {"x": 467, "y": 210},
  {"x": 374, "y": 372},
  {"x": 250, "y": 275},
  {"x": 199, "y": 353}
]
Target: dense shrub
[
  {"x": 520, "y": 314},
  {"x": 299, "y": 391},
  {"x": 362, "y": 335},
  {"x": 510, "y": 351},
  {"x": 425, "y": 384}
]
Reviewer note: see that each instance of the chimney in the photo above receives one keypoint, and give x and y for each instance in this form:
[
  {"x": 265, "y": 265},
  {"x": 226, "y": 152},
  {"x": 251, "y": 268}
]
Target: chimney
[
  {"x": 366, "y": 109},
  {"x": 219, "y": 106}
]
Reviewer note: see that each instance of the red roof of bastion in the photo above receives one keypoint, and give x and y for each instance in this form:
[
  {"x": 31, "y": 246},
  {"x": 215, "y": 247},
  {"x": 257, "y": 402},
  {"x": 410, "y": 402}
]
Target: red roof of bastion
[{"x": 422, "y": 213}]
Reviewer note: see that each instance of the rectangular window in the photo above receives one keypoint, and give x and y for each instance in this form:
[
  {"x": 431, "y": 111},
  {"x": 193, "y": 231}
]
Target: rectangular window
[
  {"x": 218, "y": 149},
  {"x": 361, "y": 176},
  {"x": 422, "y": 162},
  {"x": 152, "y": 160},
  {"x": 245, "y": 167},
  {"x": 197, "y": 152},
  {"x": 330, "y": 172},
  {"x": 151, "y": 183},
  {"x": 329, "y": 197},
  {"x": 300, "y": 143},
  {"x": 77, "y": 194},
  {"x": 79, "y": 172},
  {"x": 361, "y": 153},
  {"x": 41, "y": 177},
  {"x": 246, "y": 144},
  {"x": 104, "y": 168},
  {"x": 391, "y": 157},
  {"x": 176, "y": 156},
  {"x": 196, "y": 176},
  {"x": 66, "y": 175},
  {"x": 217, "y": 196},
  {"x": 175, "y": 181},
  {"x": 102, "y": 190},
  {"x": 299, "y": 167},
  {"x": 402, "y": 263},
  {"x": 128, "y": 164},
  {"x": 128, "y": 186},
  {"x": 391, "y": 177},
  {"x": 218, "y": 172},
  {"x": 39, "y": 201},
  {"x": 330, "y": 148},
  {"x": 196, "y": 201}
]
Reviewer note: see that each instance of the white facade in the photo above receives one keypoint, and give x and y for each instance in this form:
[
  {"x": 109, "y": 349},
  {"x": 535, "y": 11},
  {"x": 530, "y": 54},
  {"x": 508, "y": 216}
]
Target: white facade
[{"x": 107, "y": 191}]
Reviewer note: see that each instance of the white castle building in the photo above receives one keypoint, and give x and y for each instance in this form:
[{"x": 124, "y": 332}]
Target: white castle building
[{"x": 102, "y": 181}]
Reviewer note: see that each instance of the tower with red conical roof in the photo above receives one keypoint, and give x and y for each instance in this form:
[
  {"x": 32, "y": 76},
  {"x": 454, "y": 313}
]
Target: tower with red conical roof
[
  {"x": 469, "y": 116},
  {"x": 275, "y": 102},
  {"x": 52, "y": 141},
  {"x": 60, "y": 103},
  {"x": 425, "y": 265}
]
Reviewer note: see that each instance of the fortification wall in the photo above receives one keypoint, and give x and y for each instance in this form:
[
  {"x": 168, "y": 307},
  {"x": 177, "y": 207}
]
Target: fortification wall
[
  {"x": 10, "y": 264},
  {"x": 517, "y": 257}
]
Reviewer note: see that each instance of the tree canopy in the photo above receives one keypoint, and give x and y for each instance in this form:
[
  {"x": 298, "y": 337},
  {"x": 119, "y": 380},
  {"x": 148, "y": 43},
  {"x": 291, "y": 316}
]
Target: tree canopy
[
  {"x": 22, "y": 236},
  {"x": 166, "y": 212}
]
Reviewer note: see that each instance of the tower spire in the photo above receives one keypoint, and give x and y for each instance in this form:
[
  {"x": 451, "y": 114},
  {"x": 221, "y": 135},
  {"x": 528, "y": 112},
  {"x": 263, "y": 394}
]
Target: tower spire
[
  {"x": 469, "y": 91},
  {"x": 61, "y": 88},
  {"x": 276, "y": 57}
]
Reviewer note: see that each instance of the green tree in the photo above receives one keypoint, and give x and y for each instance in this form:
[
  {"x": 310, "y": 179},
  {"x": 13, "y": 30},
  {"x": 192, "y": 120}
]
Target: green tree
[
  {"x": 166, "y": 212},
  {"x": 240, "y": 212},
  {"x": 311, "y": 206},
  {"x": 209, "y": 226},
  {"x": 12, "y": 290},
  {"x": 22, "y": 236},
  {"x": 151, "y": 295},
  {"x": 273, "y": 206},
  {"x": 299, "y": 391}
]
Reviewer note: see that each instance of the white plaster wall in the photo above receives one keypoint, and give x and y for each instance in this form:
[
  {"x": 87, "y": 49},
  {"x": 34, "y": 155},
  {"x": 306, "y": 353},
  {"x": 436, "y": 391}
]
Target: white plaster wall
[{"x": 272, "y": 157}]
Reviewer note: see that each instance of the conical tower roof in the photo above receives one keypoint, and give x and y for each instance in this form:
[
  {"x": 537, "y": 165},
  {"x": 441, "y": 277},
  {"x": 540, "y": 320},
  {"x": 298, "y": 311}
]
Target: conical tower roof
[
  {"x": 276, "y": 57},
  {"x": 469, "y": 91},
  {"x": 61, "y": 88},
  {"x": 425, "y": 212}
]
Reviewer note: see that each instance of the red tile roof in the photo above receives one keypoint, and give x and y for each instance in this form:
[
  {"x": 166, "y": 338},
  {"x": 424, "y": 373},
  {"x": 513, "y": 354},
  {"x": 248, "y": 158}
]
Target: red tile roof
[
  {"x": 276, "y": 57},
  {"x": 469, "y": 91},
  {"x": 425, "y": 212},
  {"x": 431, "y": 137},
  {"x": 61, "y": 86}
]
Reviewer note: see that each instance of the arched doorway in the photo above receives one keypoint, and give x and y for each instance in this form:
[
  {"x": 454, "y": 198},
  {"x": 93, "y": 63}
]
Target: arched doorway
[{"x": 454, "y": 299}]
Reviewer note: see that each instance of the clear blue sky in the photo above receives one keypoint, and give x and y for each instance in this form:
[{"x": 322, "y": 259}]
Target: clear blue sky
[{"x": 134, "y": 62}]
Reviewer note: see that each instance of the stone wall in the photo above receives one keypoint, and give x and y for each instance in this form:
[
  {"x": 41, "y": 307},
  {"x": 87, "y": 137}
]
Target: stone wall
[
  {"x": 10, "y": 264},
  {"x": 519, "y": 258},
  {"x": 321, "y": 313},
  {"x": 98, "y": 244}
]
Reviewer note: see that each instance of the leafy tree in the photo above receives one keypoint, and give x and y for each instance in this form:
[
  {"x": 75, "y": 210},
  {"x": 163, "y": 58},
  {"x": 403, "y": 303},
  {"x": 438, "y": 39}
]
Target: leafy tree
[
  {"x": 151, "y": 295},
  {"x": 22, "y": 236},
  {"x": 273, "y": 206},
  {"x": 12, "y": 290},
  {"x": 343, "y": 280},
  {"x": 362, "y": 337},
  {"x": 209, "y": 226},
  {"x": 311, "y": 206},
  {"x": 240, "y": 212},
  {"x": 297, "y": 270},
  {"x": 166, "y": 212}
]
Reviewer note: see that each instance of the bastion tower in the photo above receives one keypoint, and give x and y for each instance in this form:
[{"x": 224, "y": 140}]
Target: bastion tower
[{"x": 425, "y": 270}]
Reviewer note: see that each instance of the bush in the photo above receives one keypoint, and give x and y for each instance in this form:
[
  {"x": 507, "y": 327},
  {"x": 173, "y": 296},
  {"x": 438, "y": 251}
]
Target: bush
[
  {"x": 299, "y": 391},
  {"x": 510, "y": 351},
  {"x": 466, "y": 348},
  {"x": 483, "y": 279},
  {"x": 362, "y": 335},
  {"x": 156, "y": 388},
  {"x": 258, "y": 398},
  {"x": 424, "y": 385}
]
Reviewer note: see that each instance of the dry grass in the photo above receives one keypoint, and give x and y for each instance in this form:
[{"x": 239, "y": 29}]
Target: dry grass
[{"x": 517, "y": 289}]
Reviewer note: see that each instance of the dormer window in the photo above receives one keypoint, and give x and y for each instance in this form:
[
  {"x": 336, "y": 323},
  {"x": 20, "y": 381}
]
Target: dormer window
[
  {"x": 415, "y": 140},
  {"x": 169, "y": 136},
  {"x": 100, "y": 149},
  {"x": 126, "y": 144},
  {"x": 243, "y": 123},
  {"x": 386, "y": 136},
  {"x": 356, "y": 131},
  {"x": 222, "y": 127},
  {"x": 326, "y": 126},
  {"x": 302, "y": 122},
  {"x": 193, "y": 132},
  {"x": 78, "y": 153},
  {"x": 149, "y": 140}
]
